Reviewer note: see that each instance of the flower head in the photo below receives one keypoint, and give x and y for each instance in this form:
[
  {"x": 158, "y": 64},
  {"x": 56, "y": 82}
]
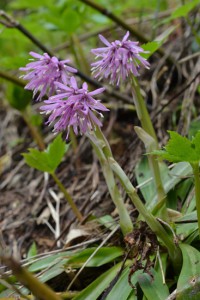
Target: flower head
[
  {"x": 74, "y": 108},
  {"x": 44, "y": 71},
  {"x": 118, "y": 60}
]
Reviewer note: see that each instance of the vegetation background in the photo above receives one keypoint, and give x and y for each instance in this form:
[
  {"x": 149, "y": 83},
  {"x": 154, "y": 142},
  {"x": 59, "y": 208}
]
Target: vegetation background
[{"x": 37, "y": 226}]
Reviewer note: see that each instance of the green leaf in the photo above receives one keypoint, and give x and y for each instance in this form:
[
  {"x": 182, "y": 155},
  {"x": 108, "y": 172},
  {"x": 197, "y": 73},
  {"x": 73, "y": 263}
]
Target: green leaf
[
  {"x": 107, "y": 221},
  {"x": 181, "y": 11},
  {"x": 153, "y": 288},
  {"x": 94, "y": 290},
  {"x": 144, "y": 178},
  {"x": 188, "y": 286},
  {"x": 180, "y": 149},
  {"x": 37, "y": 160},
  {"x": 186, "y": 229},
  {"x": 48, "y": 160},
  {"x": 56, "y": 151},
  {"x": 17, "y": 97},
  {"x": 122, "y": 289},
  {"x": 21, "y": 4},
  {"x": 184, "y": 9},
  {"x": 49, "y": 261},
  {"x": 103, "y": 256},
  {"x": 32, "y": 250},
  {"x": 153, "y": 46}
]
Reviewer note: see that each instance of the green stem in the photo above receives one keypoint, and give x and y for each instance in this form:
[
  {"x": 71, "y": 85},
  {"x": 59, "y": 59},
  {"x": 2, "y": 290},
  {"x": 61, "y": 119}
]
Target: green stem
[
  {"x": 13, "y": 79},
  {"x": 161, "y": 196},
  {"x": 156, "y": 227},
  {"x": 147, "y": 126},
  {"x": 125, "y": 220},
  {"x": 68, "y": 197},
  {"x": 141, "y": 110},
  {"x": 195, "y": 168}
]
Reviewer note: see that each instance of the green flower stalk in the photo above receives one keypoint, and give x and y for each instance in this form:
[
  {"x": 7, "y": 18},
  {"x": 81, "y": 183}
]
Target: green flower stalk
[
  {"x": 118, "y": 61},
  {"x": 103, "y": 151}
]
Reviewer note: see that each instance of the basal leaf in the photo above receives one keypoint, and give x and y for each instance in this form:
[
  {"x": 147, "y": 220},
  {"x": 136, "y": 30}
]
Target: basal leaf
[
  {"x": 95, "y": 289},
  {"x": 189, "y": 280},
  {"x": 32, "y": 250},
  {"x": 153, "y": 288},
  {"x": 103, "y": 256},
  {"x": 122, "y": 289}
]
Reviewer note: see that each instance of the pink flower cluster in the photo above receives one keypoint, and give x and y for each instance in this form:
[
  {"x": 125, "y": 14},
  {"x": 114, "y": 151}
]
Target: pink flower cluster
[
  {"x": 118, "y": 60},
  {"x": 43, "y": 73},
  {"x": 76, "y": 107}
]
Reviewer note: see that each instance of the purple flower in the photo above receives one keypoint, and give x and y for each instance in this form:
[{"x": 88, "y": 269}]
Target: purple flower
[
  {"x": 118, "y": 60},
  {"x": 74, "y": 108},
  {"x": 43, "y": 72}
]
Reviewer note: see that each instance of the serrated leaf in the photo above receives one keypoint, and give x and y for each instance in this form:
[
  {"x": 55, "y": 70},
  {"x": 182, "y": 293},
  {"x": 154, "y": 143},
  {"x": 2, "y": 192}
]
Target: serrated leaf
[
  {"x": 153, "y": 46},
  {"x": 188, "y": 286},
  {"x": 56, "y": 151},
  {"x": 180, "y": 149},
  {"x": 48, "y": 160},
  {"x": 37, "y": 160}
]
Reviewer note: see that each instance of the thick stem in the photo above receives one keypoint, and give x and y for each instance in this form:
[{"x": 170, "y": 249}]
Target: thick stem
[
  {"x": 68, "y": 197},
  {"x": 125, "y": 220},
  {"x": 156, "y": 227},
  {"x": 195, "y": 168}
]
